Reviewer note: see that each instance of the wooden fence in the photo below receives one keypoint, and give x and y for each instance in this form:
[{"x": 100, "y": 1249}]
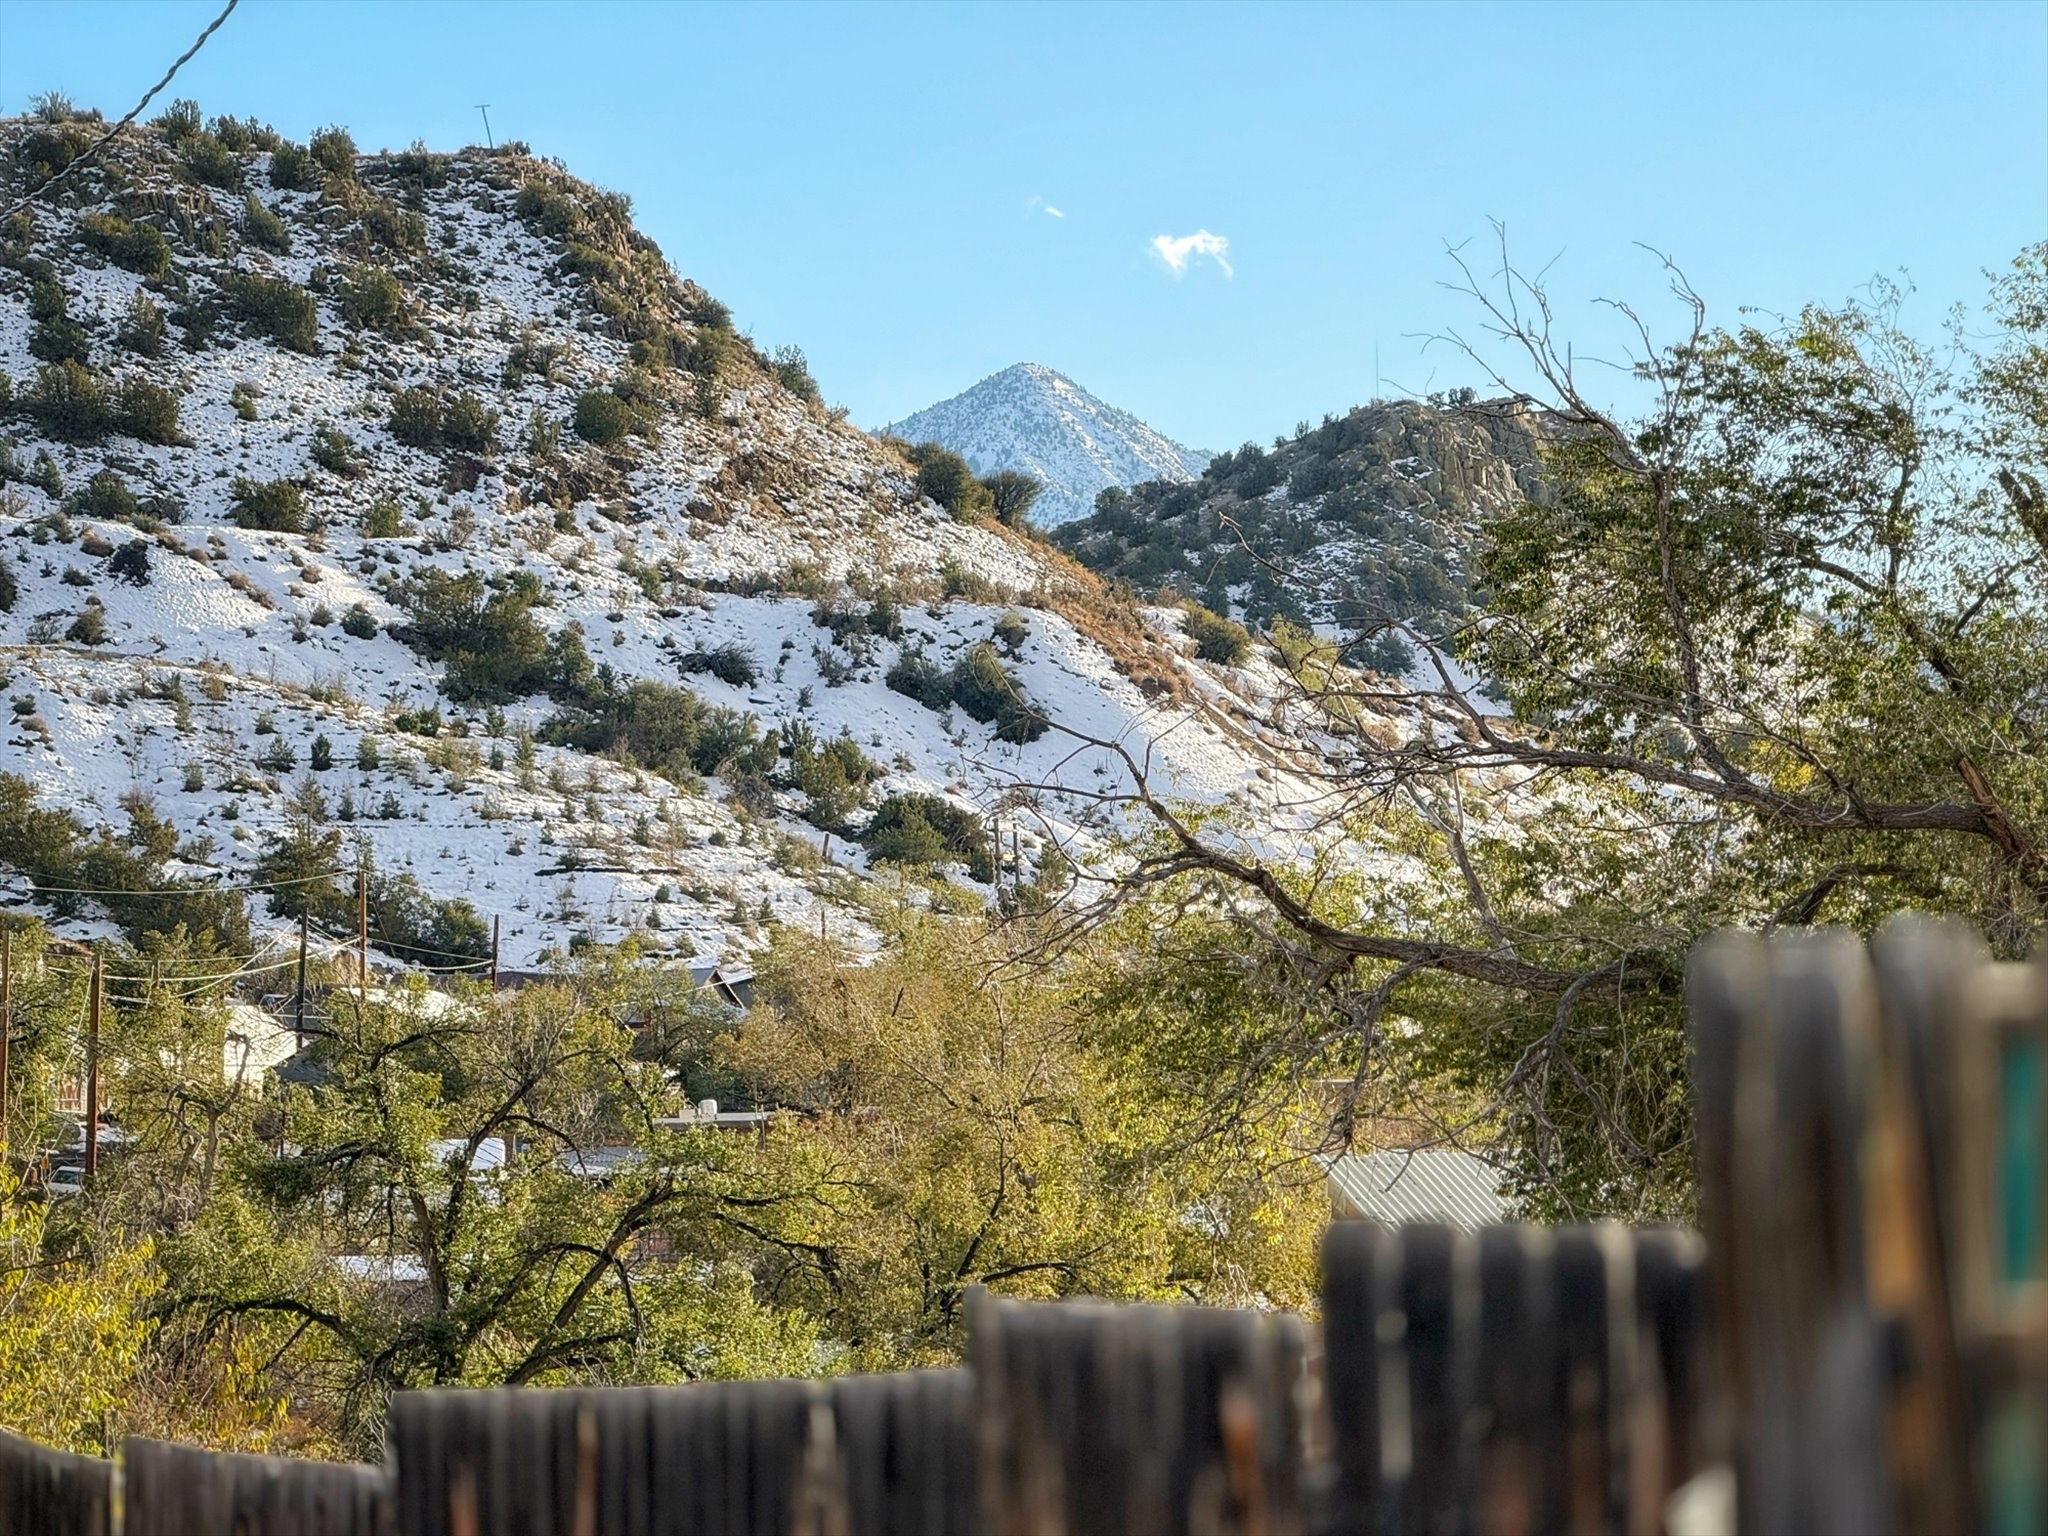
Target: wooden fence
[{"x": 1873, "y": 1159}]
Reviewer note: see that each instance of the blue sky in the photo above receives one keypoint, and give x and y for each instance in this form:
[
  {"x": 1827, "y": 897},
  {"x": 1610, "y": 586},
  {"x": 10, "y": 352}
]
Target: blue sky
[{"x": 877, "y": 183}]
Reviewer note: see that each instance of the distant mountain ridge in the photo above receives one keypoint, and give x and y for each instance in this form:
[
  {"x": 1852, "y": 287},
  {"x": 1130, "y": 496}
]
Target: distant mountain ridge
[
  {"x": 1372, "y": 517},
  {"x": 1031, "y": 418}
]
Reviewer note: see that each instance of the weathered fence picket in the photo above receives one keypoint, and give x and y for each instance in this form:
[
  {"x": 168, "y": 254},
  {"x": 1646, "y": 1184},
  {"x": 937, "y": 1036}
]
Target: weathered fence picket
[
  {"x": 1513, "y": 1379},
  {"x": 52, "y": 1493},
  {"x": 182, "y": 1490},
  {"x": 1136, "y": 1421},
  {"x": 886, "y": 1455}
]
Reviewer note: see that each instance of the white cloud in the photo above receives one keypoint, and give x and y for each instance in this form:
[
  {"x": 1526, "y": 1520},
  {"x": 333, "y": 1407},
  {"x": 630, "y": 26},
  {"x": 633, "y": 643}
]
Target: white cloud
[
  {"x": 1178, "y": 250},
  {"x": 1054, "y": 212},
  {"x": 1040, "y": 205}
]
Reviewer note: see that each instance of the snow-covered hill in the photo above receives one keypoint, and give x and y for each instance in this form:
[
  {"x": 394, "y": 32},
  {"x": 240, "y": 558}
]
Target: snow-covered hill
[
  {"x": 374, "y": 490},
  {"x": 1032, "y": 419}
]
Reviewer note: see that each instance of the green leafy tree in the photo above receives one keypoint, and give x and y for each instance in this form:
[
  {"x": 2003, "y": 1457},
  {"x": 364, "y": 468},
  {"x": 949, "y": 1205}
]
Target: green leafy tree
[
  {"x": 1011, "y": 494},
  {"x": 1769, "y": 654},
  {"x": 493, "y": 649},
  {"x": 944, "y": 476}
]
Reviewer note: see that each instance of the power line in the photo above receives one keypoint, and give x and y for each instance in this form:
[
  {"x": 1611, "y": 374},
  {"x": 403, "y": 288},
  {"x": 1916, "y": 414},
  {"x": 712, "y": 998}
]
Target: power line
[
  {"x": 107, "y": 138},
  {"x": 38, "y": 889},
  {"x": 390, "y": 943}
]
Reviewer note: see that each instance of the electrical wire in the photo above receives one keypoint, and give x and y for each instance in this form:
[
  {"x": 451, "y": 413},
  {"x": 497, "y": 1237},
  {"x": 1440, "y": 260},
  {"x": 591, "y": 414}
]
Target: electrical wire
[
  {"x": 92, "y": 150},
  {"x": 200, "y": 981},
  {"x": 184, "y": 890},
  {"x": 417, "y": 949}
]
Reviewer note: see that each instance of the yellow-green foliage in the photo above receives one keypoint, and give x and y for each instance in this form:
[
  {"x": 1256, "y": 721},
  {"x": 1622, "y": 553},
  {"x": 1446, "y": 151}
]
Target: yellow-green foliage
[{"x": 72, "y": 1327}]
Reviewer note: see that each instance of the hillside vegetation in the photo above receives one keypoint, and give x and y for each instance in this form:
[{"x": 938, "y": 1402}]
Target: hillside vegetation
[
  {"x": 408, "y": 511},
  {"x": 1367, "y": 519}
]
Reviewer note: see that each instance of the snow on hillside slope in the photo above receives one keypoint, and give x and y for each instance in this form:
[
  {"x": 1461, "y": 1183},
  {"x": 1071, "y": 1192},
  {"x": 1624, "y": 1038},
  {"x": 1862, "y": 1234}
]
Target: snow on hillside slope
[
  {"x": 1032, "y": 419},
  {"x": 737, "y": 517}
]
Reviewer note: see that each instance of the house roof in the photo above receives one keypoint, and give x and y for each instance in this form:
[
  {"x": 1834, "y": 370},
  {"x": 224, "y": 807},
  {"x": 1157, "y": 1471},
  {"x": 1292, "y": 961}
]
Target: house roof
[
  {"x": 385, "y": 1269},
  {"x": 1433, "y": 1185},
  {"x": 490, "y": 1152},
  {"x": 597, "y": 1162}
]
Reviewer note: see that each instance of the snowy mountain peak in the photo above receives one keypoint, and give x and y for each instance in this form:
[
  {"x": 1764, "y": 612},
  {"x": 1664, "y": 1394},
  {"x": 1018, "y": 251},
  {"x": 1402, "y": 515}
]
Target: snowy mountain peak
[{"x": 1032, "y": 418}]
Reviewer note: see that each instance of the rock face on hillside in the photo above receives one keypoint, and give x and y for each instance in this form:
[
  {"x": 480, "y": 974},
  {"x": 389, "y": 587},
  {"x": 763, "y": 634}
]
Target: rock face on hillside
[
  {"x": 1032, "y": 419},
  {"x": 1367, "y": 518},
  {"x": 410, "y": 510}
]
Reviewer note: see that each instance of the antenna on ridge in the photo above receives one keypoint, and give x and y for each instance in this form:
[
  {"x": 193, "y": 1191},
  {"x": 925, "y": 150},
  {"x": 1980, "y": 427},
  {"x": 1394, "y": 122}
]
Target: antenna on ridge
[{"x": 485, "y": 108}]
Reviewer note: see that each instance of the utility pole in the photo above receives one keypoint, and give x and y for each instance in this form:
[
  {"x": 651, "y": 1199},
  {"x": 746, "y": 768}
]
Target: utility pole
[
  {"x": 299, "y": 1006},
  {"x": 485, "y": 108},
  {"x": 362, "y": 938},
  {"x": 92, "y": 1073},
  {"x": 6, "y": 1026},
  {"x": 495, "y": 919}
]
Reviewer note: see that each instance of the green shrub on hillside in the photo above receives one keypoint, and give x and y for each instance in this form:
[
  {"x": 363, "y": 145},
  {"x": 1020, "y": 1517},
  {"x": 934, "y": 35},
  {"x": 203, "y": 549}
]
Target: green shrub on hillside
[
  {"x": 293, "y": 169},
  {"x": 420, "y": 418},
  {"x": 57, "y": 851},
  {"x": 708, "y": 352},
  {"x": 334, "y": 152},
  {"x": 979, "y": 683},
  {"x": 380, "y": 519},
  {"x": 731, "y": 663},
  {"x": 60, "y": 340},
  {"x": 372, "y": 297},
  {"x": 53, "y": 107},
  {"x": 1011, "y": 493},
  {"x": 704, "y": 310},
  {"x": 281, "y": 310},
  {"x": 142, "y": 326},
  {"x": 1217, "y": 639},
  {"x": 794, "y": 370},
  {"x": 944, "y": 476},
  {"x": 408, "y": 924},
  {"x": 180, "y": 121},
  {"x": 923, "y": 830},
  {"x": 415, "y": 418},
  {"x": 132, "y": 247},
  {"x": 420, "y": 165},
  {"x": 548, "y": 209},
  {"x": 90, "y": 627},
  {"x": 147, "y": 411},
  {"x": 602, "y": 417},
  {"x": 833, "y": 776},
  {"x": 261, "y": 227},
  {"x": 44, "y": 152},
  {"x": 270, "y": 506},
  {"x": 987, "y": 691},
  {"x": 468, "y": 425},
  {"x": 106, "y": 496},
  {"x": 211, "y": 163},
  {"x": 335, "y": 451},
  {"x": 493, "y": 649},
  {"x": 659, "y": 727},
  {"x": 392, "y": 227},
  {"x": 915, "y": 675},
  {"x": 243, "y": 134},
  {"x": 68, "y": 402}
]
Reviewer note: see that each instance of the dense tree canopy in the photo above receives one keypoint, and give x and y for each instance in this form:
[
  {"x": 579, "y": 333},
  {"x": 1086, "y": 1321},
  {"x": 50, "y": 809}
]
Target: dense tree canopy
[{"x": 1770, "y": 652}]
